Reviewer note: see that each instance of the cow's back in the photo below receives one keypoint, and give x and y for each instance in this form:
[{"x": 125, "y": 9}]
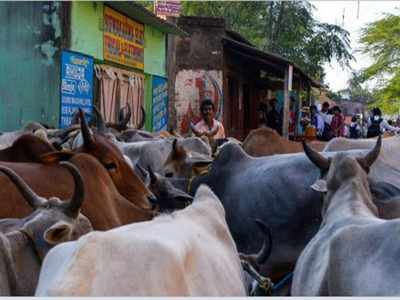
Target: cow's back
[{"x": 174, "y": 255}]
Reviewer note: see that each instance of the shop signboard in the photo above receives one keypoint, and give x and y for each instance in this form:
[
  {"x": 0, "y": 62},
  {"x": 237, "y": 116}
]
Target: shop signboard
[
  {"x": 160, "y": 103},
  {"x": 76, "y": 85},
  {"x": 123, "y": 39},
  {"x": 164, "y": 8}
]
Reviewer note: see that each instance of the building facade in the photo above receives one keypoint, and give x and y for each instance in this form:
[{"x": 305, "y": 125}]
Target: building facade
[
  {"x": 61, "y": 55},
  {"x": 219, "y": 64}
]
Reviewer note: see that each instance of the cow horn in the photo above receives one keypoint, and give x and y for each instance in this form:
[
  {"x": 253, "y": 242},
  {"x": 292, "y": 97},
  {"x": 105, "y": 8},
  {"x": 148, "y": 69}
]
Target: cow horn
[
  {"x": 316, "y": 158},
  {"x": 143, "y": 120},
  {"x": 124, "y": 119},
  {"x": 371, "y": 156},
  {"x": 29, "y": 195},
  {"x": 76, "y": 201},
  {"x": 87, "y": 136},
  {"x": 100, "y": 124},
  {"x": 153, "y": 177}
]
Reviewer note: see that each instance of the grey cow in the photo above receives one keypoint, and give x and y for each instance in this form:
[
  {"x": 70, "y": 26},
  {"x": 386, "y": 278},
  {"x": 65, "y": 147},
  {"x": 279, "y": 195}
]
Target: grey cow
[
  {"x": 25, "y": 242},
  {"x": 354, "y": 253}
]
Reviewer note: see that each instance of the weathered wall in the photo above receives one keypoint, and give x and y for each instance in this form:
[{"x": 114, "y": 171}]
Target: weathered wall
[
  {"x": 192, "y": 87},
  {"x": 195, "y": 65},
  {"x": 154, "y": 51},
  {"x": 31, "y": 36},
  {"x": 86, "y": 28}
]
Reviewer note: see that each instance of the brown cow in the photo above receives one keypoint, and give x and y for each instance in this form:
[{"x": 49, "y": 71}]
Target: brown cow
[
  {"x": 104, "y": 206},
  {"x": 266, "y": 141},
  {"x": 128, "y": 184},
  {"x": 27, "y": 148}
]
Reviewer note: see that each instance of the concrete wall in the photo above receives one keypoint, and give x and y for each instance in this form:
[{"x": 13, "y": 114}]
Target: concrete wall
[
  {"x": 195, "y": 69},
  {"x": 31, "y": 36},
  {"x": 86, "y": 28}
]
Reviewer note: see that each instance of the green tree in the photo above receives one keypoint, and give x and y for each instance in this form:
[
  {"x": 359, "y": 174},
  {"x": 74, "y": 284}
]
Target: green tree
[
  {"x": 381, "y": 41},
  {"x": 285, "y": 27}
]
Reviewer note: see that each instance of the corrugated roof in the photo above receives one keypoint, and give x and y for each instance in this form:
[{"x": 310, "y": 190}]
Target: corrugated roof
[
  {"x": 273, "y": 57},
  {"x": 143, "y": 15}
]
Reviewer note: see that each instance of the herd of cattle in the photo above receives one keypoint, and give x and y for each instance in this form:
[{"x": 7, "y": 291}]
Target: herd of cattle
[{"x": 101, "y": 209}]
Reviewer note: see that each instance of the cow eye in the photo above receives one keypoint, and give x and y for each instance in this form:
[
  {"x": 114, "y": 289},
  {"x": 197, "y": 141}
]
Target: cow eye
[
  {"x": 170, "y": 174},
  {"x": 110, "y": 166}
]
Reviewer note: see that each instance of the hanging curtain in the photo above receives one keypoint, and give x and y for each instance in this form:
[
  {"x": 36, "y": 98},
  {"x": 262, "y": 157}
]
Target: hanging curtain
[{"x": 119, "y": 87}]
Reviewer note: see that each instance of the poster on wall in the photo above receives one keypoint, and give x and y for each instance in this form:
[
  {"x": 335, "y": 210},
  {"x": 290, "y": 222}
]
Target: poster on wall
[
  {"x": 160, "y": 103},
  {"x": 76, "y": 85},
  {"x": 123, "y": 39}
]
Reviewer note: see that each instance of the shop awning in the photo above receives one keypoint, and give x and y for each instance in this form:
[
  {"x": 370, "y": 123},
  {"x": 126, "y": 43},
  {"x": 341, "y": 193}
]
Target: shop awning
[{"x": 269, "y": 59}]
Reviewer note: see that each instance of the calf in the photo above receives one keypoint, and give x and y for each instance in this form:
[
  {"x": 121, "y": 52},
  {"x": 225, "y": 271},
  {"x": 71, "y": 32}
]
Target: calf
[
  {"x": 354, "y": 253},
  {"x": 188, "y": 253},
  {"x": 25, "y": 242}
]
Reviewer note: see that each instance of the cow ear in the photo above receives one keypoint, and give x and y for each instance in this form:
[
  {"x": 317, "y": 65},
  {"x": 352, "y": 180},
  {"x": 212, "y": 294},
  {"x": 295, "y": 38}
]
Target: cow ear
[
  {"x": 320, "y": 186},
  {"x": 59, "y": 232},
  {"x": 55, "y": 156},
  {"x": 200, "y": 166}
]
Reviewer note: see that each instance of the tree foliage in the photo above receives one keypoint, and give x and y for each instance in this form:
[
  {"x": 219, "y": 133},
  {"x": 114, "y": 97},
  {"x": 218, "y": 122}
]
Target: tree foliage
[
  {"x": 381, "y": 41},
  {"x": 284, "y": 27}
]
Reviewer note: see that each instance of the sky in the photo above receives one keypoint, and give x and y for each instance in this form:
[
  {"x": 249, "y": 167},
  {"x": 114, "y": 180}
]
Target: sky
[{"x": 332, "y": 12}]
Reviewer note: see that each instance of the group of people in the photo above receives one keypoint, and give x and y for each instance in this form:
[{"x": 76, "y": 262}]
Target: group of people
[{"x": 329, "y": 123}]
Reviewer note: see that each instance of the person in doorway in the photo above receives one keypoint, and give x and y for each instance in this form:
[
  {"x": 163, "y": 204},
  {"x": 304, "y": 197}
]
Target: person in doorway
[
  {"x": 316, "y": 121},
  {"x": 208, "y": 126},
  {"x": 327, "y": 117},
  {"x": 377, "y": 125},
  {"x": 273, "y": 116},
  {"x": 354, "y": 128},
  {"x": 337, "y": 124}
]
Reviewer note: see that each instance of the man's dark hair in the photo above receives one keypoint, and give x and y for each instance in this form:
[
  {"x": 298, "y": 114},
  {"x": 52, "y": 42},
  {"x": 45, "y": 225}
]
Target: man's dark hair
[
  {"x": 354, "y": 118},
  {"x": 325, "y": 104},
  {"x": 206, "y": 102},
  {"x": 336, "y": 108},
  {"x": 376, "y": 111}
]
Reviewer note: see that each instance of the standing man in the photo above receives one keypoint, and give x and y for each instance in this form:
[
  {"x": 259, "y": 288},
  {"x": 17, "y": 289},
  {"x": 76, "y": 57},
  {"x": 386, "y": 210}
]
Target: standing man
[
  {"x": 208, "y": 126},
  {"x": 327, "y": 117},
  {"x": 316, "y": 121},
  {"x": 273, "y": 117},
  {"x": 337, "y": 123},
  {"x": 378, "y": 125}
]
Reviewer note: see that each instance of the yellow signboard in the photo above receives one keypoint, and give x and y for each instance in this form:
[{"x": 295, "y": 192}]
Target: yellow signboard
[{"x": 123, "y": 39}]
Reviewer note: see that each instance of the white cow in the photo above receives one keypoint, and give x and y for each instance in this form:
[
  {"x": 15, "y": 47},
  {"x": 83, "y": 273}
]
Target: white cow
[{"x": 187, "y": 253}]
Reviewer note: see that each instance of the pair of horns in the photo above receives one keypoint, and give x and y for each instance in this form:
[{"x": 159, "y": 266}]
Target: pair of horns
[
  {"x": 123, "y": 119},
  {"x": 71, "y": 206},
  {"x": 324, "y": 163}
]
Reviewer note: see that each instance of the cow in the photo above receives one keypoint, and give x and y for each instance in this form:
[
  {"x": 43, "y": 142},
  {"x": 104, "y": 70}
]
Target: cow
[
  {"x": 169, "y": 157},
  {"x": 274, "y": 189},
  {"x": 26, "y": 148},
  {"x": 354, "y": 253},
  {"x": 124, "y": 178},
  {"x": 104, "y": 206},
  {"x": 266, "y": 141},
  {"x": 187, "y": 253},
  {"x": 7, "y": 138},
  {"x": 25, "y": 242}
]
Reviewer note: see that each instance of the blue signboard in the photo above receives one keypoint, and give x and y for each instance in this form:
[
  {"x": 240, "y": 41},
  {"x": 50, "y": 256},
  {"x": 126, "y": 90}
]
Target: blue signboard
[
  {"x": 160, "y": 103},
  {"x": 76, "y": 85}
]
